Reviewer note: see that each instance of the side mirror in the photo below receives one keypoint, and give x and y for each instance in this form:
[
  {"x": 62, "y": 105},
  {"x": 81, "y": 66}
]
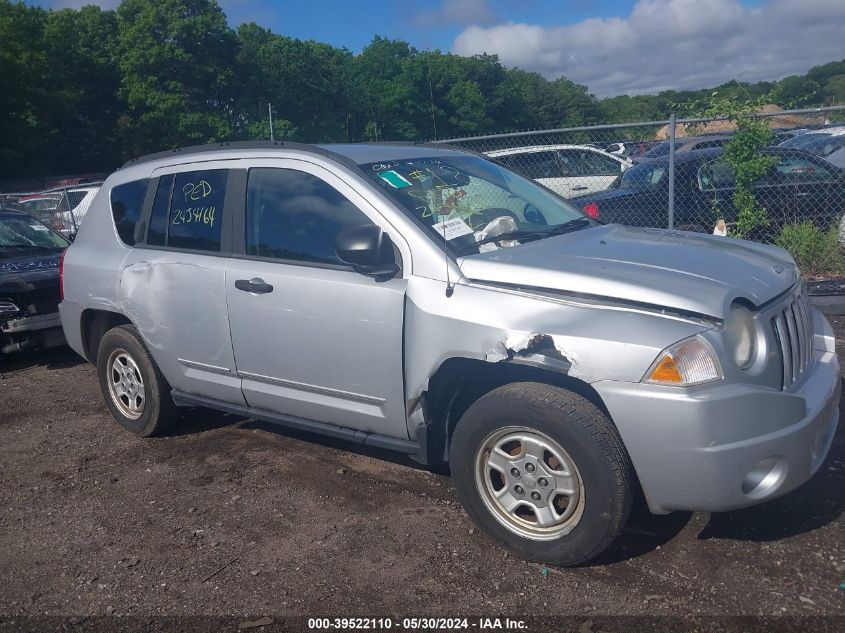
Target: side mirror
[{"x": 368, "y": 249}]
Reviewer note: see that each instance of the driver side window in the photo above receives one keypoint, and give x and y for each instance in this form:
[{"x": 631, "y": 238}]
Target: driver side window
[
  {"x": 294, "y": 215},
  {"x": 716, "y": 175}
]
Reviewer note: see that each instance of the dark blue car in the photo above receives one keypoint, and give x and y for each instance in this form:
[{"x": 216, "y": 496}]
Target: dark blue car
[
  {"x": 798, "y": 187},
  {"x": 30, "y": 254}
]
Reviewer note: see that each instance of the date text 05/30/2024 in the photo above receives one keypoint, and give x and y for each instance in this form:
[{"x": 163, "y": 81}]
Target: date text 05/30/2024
[{"x": 417, "y": 624}]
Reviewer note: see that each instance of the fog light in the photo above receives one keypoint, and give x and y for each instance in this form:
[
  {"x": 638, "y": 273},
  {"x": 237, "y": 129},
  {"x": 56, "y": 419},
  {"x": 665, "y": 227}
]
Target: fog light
[{"x": 766, "y": 477}]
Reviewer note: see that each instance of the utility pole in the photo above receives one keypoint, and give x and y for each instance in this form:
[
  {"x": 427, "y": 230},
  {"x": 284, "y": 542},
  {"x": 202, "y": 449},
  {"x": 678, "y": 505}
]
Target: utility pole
[{"x": 270, "y": 112}]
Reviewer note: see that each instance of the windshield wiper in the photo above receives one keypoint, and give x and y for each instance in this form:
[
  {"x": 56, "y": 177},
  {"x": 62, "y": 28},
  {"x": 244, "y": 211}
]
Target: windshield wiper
[
  {"x": 524, "y": 235},
  {"x": 511, "y": 235},
  {"x": 566, "y": 227}
]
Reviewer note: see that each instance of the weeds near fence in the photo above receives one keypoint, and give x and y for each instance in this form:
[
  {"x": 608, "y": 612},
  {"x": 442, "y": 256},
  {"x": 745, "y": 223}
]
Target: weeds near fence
[{"x": 816, "y": 252}]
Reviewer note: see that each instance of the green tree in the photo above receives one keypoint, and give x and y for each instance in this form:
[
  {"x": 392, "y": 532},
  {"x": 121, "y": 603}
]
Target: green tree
[
  {"x": 83, "y": 80},
  {"x": 625, "y": 109},
  {"x": 304, "y": 80},
  {"x": 23, "y": 87},
  {"x": 387, "y": 105},
  {"x": 177, "y": 59},
  {"x": 798, "y": 92},
  {"x": 834, "y": 89}
]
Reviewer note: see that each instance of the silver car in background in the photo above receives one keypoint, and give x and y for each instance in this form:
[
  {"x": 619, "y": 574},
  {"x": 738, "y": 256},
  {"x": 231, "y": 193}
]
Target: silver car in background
[{"x": 428, "y": 300}]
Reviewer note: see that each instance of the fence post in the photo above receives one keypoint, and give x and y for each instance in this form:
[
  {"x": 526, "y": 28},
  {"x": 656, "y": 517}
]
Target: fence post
[{"x": 672, "y": 171}]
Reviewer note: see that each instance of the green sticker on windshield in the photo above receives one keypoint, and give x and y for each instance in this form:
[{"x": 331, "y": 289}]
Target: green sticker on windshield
[{"x": 394, "y": 179}]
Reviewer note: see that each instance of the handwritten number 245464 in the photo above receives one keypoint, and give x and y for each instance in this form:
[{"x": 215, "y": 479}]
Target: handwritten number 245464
[{"x": 201, "y": 215}]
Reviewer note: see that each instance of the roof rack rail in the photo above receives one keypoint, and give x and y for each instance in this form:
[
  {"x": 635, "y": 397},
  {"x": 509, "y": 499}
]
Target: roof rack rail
[
  {"x": 304, "y": 147},
  {"x": 227, "y": 145}
]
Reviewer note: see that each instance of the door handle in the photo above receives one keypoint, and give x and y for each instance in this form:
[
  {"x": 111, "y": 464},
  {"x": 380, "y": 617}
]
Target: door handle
[
  {"x": 801, "y": 195},
  {"x": 255, "y": 285},
  {"x": 579, "y": 188}
]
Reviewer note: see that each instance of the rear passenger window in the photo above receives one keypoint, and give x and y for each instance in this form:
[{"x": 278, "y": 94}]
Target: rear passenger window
[
  {"x": 196, "y": 210},
  {"x": 533, "y": 164},
  {"x": 126, "y": 203},
  {"x": 294, "y": 215}
]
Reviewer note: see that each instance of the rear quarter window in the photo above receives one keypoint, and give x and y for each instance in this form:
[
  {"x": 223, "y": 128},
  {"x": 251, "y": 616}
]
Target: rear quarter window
[{"x": 127, "y": 200}]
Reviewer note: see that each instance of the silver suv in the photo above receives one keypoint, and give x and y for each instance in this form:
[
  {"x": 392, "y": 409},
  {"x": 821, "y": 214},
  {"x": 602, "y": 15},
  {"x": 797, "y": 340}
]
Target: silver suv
[{"x": 428, "y": 300}]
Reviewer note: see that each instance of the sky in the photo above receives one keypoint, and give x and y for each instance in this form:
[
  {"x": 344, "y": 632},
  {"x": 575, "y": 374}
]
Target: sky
[{"x": 612, "y": 47}]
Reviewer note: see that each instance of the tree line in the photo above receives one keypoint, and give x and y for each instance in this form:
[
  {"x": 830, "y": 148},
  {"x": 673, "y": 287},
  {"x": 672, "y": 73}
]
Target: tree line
[{"x": 83, "y": 90}]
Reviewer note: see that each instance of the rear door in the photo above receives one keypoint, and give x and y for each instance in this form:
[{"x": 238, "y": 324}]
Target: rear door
[
  {"x": 815, "y": 190},
  {"x": 714, "y": 197},
  {"x": 313, "y": 338},
  {"x": 173, "y": 283},
  {"x": 589, "y": 171}
]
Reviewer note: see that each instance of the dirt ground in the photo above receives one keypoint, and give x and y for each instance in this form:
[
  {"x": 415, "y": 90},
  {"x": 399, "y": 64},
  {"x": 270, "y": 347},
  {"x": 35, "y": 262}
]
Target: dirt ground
[{"x": 232, "y": 517}]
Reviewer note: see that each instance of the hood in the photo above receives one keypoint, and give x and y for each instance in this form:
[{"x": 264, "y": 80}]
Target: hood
[
  {"x": 688, "y": 272},
  {"x": 28, "y": 272}
]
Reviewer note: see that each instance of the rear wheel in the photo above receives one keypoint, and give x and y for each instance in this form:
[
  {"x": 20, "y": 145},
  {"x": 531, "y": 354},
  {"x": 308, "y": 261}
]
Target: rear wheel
[
  {"x": 543, "y": 471},
  {"x": 134, "y": 389}
]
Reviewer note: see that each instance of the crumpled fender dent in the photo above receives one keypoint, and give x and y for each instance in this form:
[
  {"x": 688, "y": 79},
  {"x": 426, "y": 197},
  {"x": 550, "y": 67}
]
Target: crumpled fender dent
[{"x": 585, "y": 341}]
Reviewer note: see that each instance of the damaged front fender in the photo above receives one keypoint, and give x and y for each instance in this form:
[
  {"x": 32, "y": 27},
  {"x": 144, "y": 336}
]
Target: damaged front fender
[{"x": 584, "y": 341}]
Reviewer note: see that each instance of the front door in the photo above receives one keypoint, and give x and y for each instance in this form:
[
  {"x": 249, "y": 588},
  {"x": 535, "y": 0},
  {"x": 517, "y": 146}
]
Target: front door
[{"x": 312, "y": 337}]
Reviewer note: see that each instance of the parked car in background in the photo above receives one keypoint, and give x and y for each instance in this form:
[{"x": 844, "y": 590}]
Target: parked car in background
[
  {"x": 29, "y": 283},
  {"x": 43, "y": 205},
  {"x": 828, "y": 144},
  {"x": 630, "y": 149},
  {"x": 811, "y": 136},
  {"x": 569, "y": 170},
  {"x": 62, "y": 208},
  {"x": 381, "y": 293},
  {"x": 684, "y": 145},
  {"x": 798, "y": 187},
  {"x": 74, "y": 206},
  {"x": 10, "y": 203},
  {"x": 785, "y": 135}
]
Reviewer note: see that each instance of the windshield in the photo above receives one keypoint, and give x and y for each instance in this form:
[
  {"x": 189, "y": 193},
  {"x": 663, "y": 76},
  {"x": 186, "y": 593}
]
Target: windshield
[
  {"x": 468, "y": 202},
  {"x": 21, "y": 233},
  {"x": 822, "y": 144},
  {"x": 41, "y": 203},
  {"x": 643, "y": 176},
  {"x": 804, "y": 140}
]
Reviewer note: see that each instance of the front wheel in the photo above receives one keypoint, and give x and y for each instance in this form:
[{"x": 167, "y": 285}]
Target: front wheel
[{"x": 543, "y": 471}]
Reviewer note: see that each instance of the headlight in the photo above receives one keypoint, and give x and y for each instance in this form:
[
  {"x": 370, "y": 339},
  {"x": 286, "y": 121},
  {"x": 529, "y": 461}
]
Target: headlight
[
  {"x": 688, "y": 362},
  {"x": 741, "y": 336}
]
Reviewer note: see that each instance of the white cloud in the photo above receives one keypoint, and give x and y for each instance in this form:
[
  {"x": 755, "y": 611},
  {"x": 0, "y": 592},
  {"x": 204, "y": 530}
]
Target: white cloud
[
  {"x": 672, "y": 44},
  {"x": 456, "y": 12}
]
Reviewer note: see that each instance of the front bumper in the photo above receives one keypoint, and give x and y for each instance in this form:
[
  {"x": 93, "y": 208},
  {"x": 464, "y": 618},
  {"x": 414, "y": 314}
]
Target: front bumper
[
  {"x": 34, "y": 332},
  {"x": 725, "y": 446}
]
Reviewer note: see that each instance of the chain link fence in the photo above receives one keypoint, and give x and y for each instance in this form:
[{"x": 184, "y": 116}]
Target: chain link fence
[{"x": 672, "y": 174}]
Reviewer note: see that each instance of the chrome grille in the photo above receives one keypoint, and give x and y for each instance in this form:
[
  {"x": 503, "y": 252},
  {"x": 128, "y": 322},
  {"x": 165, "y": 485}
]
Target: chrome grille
[{"x": 793, "y": 327}]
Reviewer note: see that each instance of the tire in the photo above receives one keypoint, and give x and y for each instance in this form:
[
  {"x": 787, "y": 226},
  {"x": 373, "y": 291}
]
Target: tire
[
  {"x": 135, "y": 392},
  {"x": 582, "y": 454}
]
